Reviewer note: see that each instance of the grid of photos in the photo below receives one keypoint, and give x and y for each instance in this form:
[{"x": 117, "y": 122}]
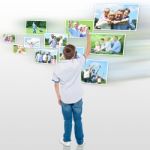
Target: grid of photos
[
  {"x": 48, "y": 56},
  {"x": 105, "y": 43},
  {"x": 114, "y": 18},
  {"x": 78, "y": 28},
  {"x": 95, "y": 72}
]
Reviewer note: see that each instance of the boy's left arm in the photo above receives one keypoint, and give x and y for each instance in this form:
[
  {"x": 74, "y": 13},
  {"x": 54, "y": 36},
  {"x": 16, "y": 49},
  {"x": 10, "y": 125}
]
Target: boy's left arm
[{"x": 56, "y": 86}]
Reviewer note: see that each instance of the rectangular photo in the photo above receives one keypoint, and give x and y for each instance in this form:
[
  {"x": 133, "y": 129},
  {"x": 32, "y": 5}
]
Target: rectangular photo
[
  {"x": 105, "y": 43},
  {"x": 79, "y": 51},
  {"x": 9, "y": 38},
  {"x": 20, "y": 49},
  {"x": 46, "y": 56},
  {"x": 116, "y": 17},
  {"x": 36, "y": 27},
  {"x": 95, "y": 71},
  {"x": 32, "y": 42},
  {"x": 55, "y": 40},
  {"x": 78, "y": 28}
]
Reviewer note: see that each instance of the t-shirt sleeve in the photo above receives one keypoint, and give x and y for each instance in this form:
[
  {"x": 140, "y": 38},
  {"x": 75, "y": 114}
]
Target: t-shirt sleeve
[
  {"x": 81, "y": 59},
  {"x": 55, "y": 77}
]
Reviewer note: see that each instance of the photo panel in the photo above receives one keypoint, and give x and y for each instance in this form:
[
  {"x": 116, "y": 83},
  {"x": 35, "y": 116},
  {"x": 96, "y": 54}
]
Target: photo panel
[
  {"x": 32, "y": 42},
  {"x": 78, "y": 28},
  {"x": 48, "y": 56},
  {"x": 107, "y": 44},
  {"x": 55, "y": 40},
  {"x": 123, "y": 17},
  {"x": 79, "y": 51},
  {"x": 9, "y": 38},
  {"x": 20, "y": 49},
  {"x": 36, "y": 27},
  {"x": 95, "y": 72}
]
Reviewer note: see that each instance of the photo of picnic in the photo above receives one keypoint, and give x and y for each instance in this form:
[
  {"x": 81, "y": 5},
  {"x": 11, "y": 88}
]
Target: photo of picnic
[
  {"x": 35, "y": 27},
  {"x": 79, "y": 51},
  {"x": 95, "y": 71},
  {"x": 31, "y": 42},
  {"x": 55, "y": 40},
  {"x": 20, "y": 49},
  {"x": 77, "y": 29},
  {"x": 105, "y": 43},
  {"x": 116, "y": 17},
  {"x": 9, "y": 38},
  {"x": 46, "y": 56}
]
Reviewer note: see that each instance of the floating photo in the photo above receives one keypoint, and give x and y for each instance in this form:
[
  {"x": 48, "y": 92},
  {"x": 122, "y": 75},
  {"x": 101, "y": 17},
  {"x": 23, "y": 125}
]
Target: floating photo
[
  {"x": 78, "y": 28},
  {"x": 35, "y": 27},
  {"x": 116, "y": 16},
  {"x": 31, "y": 42},
  {"x": 105, "y": 43},
  {"x": 55, "y": 40},
  {"x": 79, "y": 51},
  {"x": 10, "y": 38},
  {"x": 19, "y": 49},
  {"x": 46, "y": 56},
  {"x": 95, "y": 71}
]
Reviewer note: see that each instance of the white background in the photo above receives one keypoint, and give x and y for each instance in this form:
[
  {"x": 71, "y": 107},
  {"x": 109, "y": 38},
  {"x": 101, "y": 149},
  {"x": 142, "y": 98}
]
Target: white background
[{"x": 116, "y": 116}]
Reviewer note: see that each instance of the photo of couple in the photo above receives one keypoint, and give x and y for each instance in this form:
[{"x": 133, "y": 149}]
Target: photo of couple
[
  {"x": 46, "y": 56},
  {"x": 55, "y": 40},
  {"x": 9, "y": 38},
  {"x": 95, "y": 71},
  {"x": 116, "y": 17},
  {"x": 77, "y": 29},
  {"x": 107, "y": 44},
  {"x": 20, "y": 49}
]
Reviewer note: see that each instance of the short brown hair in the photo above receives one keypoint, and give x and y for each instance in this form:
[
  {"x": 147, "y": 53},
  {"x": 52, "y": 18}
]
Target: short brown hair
[{"x": 69, "y": 51}]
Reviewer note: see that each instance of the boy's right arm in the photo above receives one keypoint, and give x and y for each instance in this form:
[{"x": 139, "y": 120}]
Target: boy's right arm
[{"x": 88, "y": 48}]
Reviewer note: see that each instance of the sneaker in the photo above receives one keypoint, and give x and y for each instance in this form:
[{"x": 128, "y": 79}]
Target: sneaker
[
  {"x": 80, "y": 146},
  {"x": 67, "y": 144}
]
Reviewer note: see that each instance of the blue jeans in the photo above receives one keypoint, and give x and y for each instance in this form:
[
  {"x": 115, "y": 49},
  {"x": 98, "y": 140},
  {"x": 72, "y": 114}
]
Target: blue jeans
[{"x": 73, "y": 111}]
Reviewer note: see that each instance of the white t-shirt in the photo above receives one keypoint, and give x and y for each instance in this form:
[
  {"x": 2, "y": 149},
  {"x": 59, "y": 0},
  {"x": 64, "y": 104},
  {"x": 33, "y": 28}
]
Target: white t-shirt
[{"x": 68, "y": 74}]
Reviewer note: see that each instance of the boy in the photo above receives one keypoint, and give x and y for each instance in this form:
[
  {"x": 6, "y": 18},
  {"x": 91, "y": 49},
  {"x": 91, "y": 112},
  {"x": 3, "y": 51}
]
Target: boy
[{"x": 67, "y": 83}]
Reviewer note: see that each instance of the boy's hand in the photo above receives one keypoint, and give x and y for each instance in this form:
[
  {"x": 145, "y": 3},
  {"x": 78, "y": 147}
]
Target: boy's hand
[{"x": 59, "y": 102}]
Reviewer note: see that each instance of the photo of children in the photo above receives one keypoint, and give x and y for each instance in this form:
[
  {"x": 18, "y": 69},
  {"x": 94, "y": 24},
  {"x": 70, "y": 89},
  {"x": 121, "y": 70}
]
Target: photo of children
[
  {"x": 104, "y": 43},
  {"x": 46, "y": 56},
  {"x": 20, "y": 49},
  {"x": 31, "y": 42},
  {"x": 79, "y": 51},
  {"x": 77, "y": 29},
  {"x": 35, "y": 27},
  {"x": 55, "y": 40},
  {"x": 116, "y": 16},
  {"x": 95, "y": 71},
  {"x": 9, "y": 38}
]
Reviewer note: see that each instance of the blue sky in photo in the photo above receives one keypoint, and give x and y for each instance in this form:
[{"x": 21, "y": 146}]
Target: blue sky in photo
[
  {"x": 48, "y": 35},
  {"x": 103, "y": 71},
  {"x": 133, "y": 7}
]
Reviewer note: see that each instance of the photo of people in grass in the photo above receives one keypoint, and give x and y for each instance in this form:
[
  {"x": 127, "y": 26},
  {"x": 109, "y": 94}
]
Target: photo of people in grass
[
  {"x": 32, "y": 42},
  {"x": 55, "y": 40},
  {"x": 20, "y": 49},
  {"x": 77, "y": 29},
  {"x": 46, "y": 56},
  {"x": 35, "y": 27},
  {"x": 116, "y": 16},
  {"x": 95, "y": 71},
  {"x": 9, "y": 38},
  {"x": 105, "y": 43},
  {"x": 79, "y": 51}
]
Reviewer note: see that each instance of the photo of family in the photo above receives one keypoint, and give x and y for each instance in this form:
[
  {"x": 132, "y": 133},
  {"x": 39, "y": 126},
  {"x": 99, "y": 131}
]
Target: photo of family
[
  {"x": 116, "y": 16},
  {"x": 95, "y": 71},
  {"x": 79, "y": 51},
  {"x": 20, "y": 49},
  {"x": 10, "y": 38},
  {"x": 31, "y": 42},
  {"x": 55, "y": 40},
  {"x": 35, "y": 27},
  {"x": 105, "y": 43},
  {"x": 46, "y": 56},
  {"x": 77, "y": 29}
]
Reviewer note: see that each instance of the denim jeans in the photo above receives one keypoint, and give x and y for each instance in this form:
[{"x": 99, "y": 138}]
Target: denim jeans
[{"x": 70, "y": 112}]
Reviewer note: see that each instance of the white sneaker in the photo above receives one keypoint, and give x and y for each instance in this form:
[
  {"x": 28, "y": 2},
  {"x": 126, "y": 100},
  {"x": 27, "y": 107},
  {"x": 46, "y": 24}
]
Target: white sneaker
[
  {"x": 67, "y": 144},
  {"x": 80, "y": 147}
]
